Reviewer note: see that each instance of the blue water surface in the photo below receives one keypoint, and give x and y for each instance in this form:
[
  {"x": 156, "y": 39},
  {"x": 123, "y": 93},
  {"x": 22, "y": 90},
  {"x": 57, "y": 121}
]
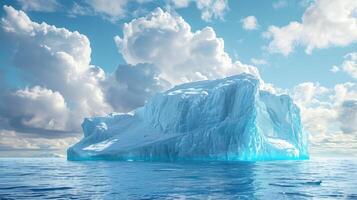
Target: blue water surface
[{"x": 57, "y": 178}]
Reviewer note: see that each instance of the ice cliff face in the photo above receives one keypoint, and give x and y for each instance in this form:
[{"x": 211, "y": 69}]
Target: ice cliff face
[{"x": 225, "y": 119}]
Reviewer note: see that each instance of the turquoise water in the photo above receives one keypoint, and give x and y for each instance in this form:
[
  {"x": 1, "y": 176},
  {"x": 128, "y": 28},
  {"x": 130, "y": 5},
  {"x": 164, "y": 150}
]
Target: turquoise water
[{"x": 56, "y": 178}]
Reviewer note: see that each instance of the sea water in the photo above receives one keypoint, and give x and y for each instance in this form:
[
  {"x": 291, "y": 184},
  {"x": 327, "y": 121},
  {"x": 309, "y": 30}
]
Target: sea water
[{"x": 57, "y": 178}]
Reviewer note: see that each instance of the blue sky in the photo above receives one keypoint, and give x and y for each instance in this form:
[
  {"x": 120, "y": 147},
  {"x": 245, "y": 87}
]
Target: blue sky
[{"x": 263, "y": 45}]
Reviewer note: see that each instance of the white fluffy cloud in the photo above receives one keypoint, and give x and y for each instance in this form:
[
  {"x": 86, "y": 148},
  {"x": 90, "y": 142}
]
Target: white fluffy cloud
[
  {"x": 280, "y": 4},
  {"x": 210, "y": 9},
  {"x": 56, "y": 63},
  {"x": 329, "y": 114},
  {"x": 181, "y": 3},
  {"x": 250, "y": 23},
  {"x": 257, "y": 61},
  {"x": 335, "y": 69},
  {"x": 36, "y": 107},
  {"x": 180, "y": 54},
  {"x": 325, "y": 23},
  {"x": 350, "y": 64},
  {"x": 113, "y": 9},
  {"x": 39, "y": 5}
]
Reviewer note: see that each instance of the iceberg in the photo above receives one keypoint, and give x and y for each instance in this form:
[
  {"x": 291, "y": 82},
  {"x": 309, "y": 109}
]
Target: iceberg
[{"x": 228, "y": 119}]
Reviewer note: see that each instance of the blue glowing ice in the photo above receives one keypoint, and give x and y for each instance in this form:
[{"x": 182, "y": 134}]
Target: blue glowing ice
[{"x": 224, "y": 119}]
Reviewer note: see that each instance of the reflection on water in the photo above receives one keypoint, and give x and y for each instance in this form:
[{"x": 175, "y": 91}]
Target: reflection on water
[{"x": 46, "y": 178}]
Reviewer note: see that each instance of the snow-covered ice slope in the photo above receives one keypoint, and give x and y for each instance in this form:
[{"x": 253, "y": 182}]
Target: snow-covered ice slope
[{"x": 225, "y": 119}]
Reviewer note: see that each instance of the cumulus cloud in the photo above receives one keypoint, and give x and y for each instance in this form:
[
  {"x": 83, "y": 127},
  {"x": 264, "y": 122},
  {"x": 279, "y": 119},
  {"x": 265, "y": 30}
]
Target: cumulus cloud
[
  {"x": 334, "y": 69},
  {"x": 79, "y": 10},
  {"x": 63, "y": 86},
  {"x": 256, "y": 61},
  {"x": 210, "y": 9},
  {"x": 39, "y": 5},
  {"x": 349, "y": 65},
  {"x": 180, "y": 54},
  {"x": 325, "y": 23},
  {"x": 329, "y": 114},
  {"x": 35, "y": 108},
  {"x": 113, "y": 9},
  {"x": 250, "y": 23},
  {"x": 280, "y": 4},
  {"x": 131, "y": 85},
  {"x": 181, "y": 3}
]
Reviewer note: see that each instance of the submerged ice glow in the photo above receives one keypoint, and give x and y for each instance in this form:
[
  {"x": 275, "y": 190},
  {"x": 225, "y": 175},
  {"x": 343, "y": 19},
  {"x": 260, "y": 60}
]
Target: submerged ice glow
[{"x": 224, "y": 119}]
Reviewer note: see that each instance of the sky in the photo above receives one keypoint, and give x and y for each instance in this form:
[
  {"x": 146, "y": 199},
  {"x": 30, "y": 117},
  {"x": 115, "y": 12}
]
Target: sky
[{"x": 62, "y": 61}]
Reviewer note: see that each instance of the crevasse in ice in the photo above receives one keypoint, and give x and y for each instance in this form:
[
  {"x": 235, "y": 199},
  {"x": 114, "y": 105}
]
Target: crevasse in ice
[{"x": 224, "y": 119}]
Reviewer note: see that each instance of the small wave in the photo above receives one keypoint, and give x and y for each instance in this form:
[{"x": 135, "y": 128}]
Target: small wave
[
  {"x": 13, "y": 187},
  {"x": 166, "y": 169},
  {"x": 49, "y": 189},
  {"x": 297, "y": 194},
  {"x": 26, "y": 174},
  {"x": 352, "y": 196},
  {"x": 63, "y": 196},
  {"x": 281, "y": 185},
  {"x": 333, "y": 195},
  {"x": 317, "y": 182},
  {"x": 312, "y": 183}
]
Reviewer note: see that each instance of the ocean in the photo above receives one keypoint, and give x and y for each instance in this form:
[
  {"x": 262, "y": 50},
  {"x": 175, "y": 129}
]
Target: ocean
[{"x": 57, "y": 178}]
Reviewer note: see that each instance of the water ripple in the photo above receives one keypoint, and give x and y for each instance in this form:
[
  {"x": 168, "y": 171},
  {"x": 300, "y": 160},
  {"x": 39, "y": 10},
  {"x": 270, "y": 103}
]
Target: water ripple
[{"x": 49, "y": 189}]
